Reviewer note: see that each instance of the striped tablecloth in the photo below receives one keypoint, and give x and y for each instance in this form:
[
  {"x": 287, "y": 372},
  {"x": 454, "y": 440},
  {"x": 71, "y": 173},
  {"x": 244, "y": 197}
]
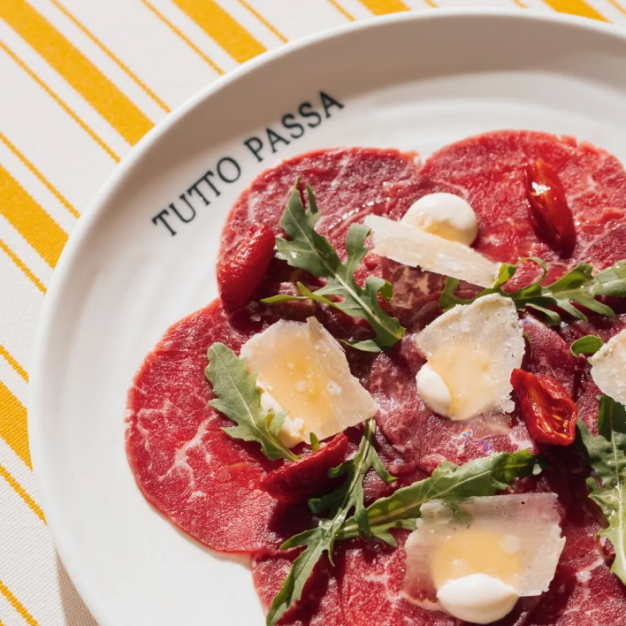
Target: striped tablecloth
[{"x": 81, "y": 81}]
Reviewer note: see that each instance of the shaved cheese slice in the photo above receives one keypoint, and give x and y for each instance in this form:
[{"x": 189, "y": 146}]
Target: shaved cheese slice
[
  {"x": 473, "y": 349},
  {"x": 302, "y": 368},
  {"x": 514, "y": 540},
  {"x": 608, "y": 365},
  {"x": 408, "y": 245}
]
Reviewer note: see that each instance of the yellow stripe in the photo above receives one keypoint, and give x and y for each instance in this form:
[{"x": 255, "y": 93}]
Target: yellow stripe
[
  {"x": 55, "y": 192},
  {"x": 618, "y": 6},
  {"x": 575, "y": 7},
  {"x": 13, "y": 424},
  {"x": 18, "y": 262},
  {"x": 520, "y": 4},
  {"x": 15, "y": 603},
  {"x": 32, "y": 505},
  {"x": 382, "y": 7},
  {"x": 13, "y": 363},
  {"x": 77, "y": 70},
  {"x": 184, "y": 38},
  {"x": 341, "y": 10},
  {"x": 263, "y": 21},
  {"x": 60, "y": 102},
  {"x": 222, "y": 28},
  {"x": 30, "y": 220},
  {"x": 111, "y": 56}
]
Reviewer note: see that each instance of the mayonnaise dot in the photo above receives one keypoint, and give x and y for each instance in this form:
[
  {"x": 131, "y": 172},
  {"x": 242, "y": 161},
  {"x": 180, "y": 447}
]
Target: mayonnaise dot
[
  {"x": 477, "y": 598},
  {"x": 445, "y": 215},
  {"x": 433, "y": 390},
  {"x": 292, "y": 430},
  {"x": 269, "y": 403}
]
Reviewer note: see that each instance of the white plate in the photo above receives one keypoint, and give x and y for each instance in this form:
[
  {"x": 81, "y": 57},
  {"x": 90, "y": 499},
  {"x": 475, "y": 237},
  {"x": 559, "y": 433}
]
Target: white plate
[{"x": 416, "y": 82}]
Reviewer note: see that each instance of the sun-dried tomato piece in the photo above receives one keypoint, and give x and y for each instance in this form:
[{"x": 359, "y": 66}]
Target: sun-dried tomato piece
[
  {"x": 549, "y": 412},
  {"x": 297, "y": 481},
  {"x": 240, "y": 277},
  {"x": 551, "y": 216}
]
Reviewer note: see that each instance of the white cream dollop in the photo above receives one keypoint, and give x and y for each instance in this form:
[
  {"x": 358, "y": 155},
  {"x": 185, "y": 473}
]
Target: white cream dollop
[
  {"x": 433, "y": 390},
  {"x": 292, "y": 431},
  {"x": 445, "y": 215},
  {"x": 477, "y": 598}
]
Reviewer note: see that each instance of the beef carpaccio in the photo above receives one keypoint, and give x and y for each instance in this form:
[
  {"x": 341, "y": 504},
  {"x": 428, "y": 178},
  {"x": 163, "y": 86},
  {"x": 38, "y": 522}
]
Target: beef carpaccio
[{"x": 225, "y": 492}]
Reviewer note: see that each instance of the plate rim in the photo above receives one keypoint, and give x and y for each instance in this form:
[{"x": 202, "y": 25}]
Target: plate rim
[{"x": 52, "y": 301}]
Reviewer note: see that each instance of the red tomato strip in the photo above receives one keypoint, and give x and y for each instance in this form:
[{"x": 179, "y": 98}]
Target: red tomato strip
[
  {"x": 550, "y": 414},
  {"x": 241, "y": 275},
  {"x": 551, "y": 216},
  {"x": 297, "y": 481}
]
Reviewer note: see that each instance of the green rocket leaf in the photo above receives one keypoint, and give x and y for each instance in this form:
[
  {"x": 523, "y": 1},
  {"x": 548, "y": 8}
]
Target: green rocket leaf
[
  {"x": 579, "y": 286},
  {"x": 306, "y": 249},
  {"x": 239, "y": 399},
  {"x": 480, "y": 477},
  {"x": 346, "y": 500},
  {"x": 605, "y": 455},
  {"x": 589, "y": 344}
]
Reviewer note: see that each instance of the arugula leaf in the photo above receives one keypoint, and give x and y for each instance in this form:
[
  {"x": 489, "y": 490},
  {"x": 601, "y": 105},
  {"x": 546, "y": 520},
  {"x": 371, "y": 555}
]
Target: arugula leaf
[
  {"x": 339, "y": 504},
  {"x": 480, "y": 477},
  {"x": 239, "y": 399},
  {"x": 589, "y": 344},
  {"x": 605, "y": 455},
  {"x": 310, "y": 251},
  {"x": 578, "y": 286},
  {"x": 447, "y": 299}
]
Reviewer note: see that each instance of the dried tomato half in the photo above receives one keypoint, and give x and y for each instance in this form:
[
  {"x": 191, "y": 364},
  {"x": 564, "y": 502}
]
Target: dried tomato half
[
  {"x": 245, "y": 270},
  {"x": 297, "y": 481},
  {"x": 550, "y": 414},
  {"x": 551, "y": 216}
]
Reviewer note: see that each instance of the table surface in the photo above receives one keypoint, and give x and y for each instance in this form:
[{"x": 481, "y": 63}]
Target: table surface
[{"x": 81, "y": 81}]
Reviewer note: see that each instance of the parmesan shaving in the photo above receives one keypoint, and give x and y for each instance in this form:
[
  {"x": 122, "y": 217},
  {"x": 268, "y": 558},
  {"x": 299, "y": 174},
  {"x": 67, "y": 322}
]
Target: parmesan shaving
[
  {"x": 473, "y": 349},
  {"x": 303, "y": 369},
  {"x": 608, "y": 366},
  {"x": 406, "y": 244},
  {"x": 513, "y": 538}
]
